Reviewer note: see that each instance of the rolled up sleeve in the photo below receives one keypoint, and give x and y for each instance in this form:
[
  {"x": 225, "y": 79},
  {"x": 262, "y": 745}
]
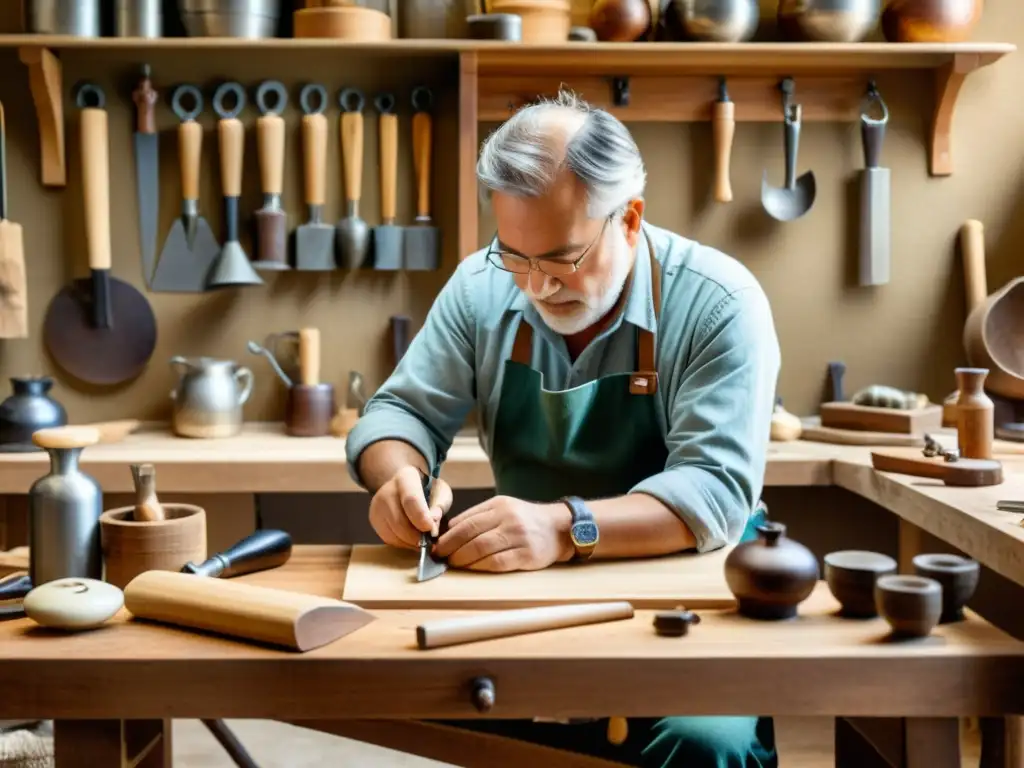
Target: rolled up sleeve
[
  {"x": 427, "y": 398},
  {"x": 719, "y": 419}
]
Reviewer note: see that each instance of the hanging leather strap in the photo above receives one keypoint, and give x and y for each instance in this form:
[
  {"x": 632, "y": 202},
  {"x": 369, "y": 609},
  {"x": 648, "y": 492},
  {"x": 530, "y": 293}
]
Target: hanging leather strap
[{"x": 644, "y": 380}]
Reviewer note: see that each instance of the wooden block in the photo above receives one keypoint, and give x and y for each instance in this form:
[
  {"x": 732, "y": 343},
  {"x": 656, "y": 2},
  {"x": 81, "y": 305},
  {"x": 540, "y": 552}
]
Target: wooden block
[
  {"x": 380, "y": 576},
  {"x": 843, "y": 415}
]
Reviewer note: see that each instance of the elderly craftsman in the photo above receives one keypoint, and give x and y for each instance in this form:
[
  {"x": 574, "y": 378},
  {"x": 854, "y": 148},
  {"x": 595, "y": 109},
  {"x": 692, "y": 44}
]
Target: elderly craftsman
[{"x": 625, "y": 378}]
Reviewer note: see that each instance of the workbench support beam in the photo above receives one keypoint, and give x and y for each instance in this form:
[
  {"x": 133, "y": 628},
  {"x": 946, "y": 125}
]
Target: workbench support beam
[
  {"x": 46, "y": 83},
  {"x": 469, "y": 205}
]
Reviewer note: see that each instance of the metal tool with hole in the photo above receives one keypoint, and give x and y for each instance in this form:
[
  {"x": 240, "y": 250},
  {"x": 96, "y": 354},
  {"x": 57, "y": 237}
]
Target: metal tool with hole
[
  {"x": 232, "y": 268},
  {"x": 271, "y": 220},
  {"x": 352, "y": 232},
  {"x": 190, "y": 249},
  {"x": 314, "y": 240},
  {"x": 387, "y": 236},
  {"x": 421, "y": 242},
  {"x": 796, "y": 198}
]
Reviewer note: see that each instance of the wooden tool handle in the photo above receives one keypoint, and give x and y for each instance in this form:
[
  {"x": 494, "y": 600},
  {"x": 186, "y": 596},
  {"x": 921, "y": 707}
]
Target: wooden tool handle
[
  {"x": 309, "y": 356},
  {"x": 352, "y": 154},
  {"x": 261, "y": 614},
  {"x": 314, "y": 158},
  {"x": 388, "y": 167},
  {"x": 232, "y": 153},
  {"x": 421, "y": 141},
  {"x": 723, "y": 127},
  {"x": 147, "y": 506},
  {"x": 96, "y": 185},
  {"x": 972, "y": 244},
  {"x": 190, "y": 150},
  {"x": 270, "y": 147},
  {"x": 145, "y": 97},
  {"x": 66, "y": 437},
  {"x": 468, "y": 629}
]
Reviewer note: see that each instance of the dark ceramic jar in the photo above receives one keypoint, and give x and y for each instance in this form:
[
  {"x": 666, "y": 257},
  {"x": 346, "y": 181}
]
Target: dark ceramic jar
[
  {"x": 29, "y": 409},
  {"x": 772, "y": 575}
]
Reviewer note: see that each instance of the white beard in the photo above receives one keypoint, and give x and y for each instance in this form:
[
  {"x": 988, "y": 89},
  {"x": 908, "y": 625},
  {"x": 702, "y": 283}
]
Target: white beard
[{"x": 591, "y": 309}]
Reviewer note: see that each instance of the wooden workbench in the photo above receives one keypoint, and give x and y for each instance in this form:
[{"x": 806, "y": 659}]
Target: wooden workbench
[{"x": 817, "y": 664}]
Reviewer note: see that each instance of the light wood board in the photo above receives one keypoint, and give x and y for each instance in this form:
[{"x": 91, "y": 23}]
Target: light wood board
[
  {"x": 380, "y": 576},
  {"x": 843, "y": 415},
  {"x": 812, "y": 430}
]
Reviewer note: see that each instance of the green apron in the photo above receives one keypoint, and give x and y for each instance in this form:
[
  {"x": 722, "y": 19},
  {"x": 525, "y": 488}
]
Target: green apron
[{"x": 599, "y": 440}]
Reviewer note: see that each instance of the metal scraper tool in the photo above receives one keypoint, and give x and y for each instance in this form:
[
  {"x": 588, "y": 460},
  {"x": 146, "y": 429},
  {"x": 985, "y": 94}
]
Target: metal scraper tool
[
  {"x": 271, "y": 220},
  {"x": 429, "y": 568},
  {"x": 314, "y": 240},
  {"x": 420, "y": 243},
  {"x": 875, "y": 199},
  {"x": 190, "y": 249}
]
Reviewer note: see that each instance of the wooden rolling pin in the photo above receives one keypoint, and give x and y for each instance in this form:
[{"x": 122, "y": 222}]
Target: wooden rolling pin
[
  {"x": 278, "y": 617},
  {"x": 309, "y": 356},
  {"x": 469, "y": 629}
]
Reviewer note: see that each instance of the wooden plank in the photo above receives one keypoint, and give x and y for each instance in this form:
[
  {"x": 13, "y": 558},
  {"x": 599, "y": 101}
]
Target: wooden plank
[
  {"x": 380, "y": 576},
  {"x": 844, "y": 415}
]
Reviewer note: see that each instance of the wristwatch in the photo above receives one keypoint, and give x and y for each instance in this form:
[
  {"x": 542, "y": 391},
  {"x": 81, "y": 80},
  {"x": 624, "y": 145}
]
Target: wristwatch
[{"x": 584, "y": 531}]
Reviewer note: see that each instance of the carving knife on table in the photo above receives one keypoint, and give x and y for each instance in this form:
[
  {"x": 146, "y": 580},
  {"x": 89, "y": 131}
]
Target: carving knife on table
[
  {"x": 875, "y": 199},
  {"x": 429, "y": 568},
  {"x": 147, "y": 170}
]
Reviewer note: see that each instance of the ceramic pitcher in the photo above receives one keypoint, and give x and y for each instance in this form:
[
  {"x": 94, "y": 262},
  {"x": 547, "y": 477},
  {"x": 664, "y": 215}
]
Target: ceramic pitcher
[{"x": 208, "y": 400}]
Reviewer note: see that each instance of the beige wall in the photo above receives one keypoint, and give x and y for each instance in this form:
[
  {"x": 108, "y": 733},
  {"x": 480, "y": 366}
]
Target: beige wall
[{"x": 906, "y": 333}]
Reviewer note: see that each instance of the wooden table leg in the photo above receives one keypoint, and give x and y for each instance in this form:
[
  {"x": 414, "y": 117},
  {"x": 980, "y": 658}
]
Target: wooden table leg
[
  {"x": 112, "y": 743},
  {"x": 886, "y": 742}
]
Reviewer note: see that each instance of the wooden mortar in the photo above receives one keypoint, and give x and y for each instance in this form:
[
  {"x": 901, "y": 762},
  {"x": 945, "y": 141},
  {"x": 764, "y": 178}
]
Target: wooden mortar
[{"x": 131, "y": 547}]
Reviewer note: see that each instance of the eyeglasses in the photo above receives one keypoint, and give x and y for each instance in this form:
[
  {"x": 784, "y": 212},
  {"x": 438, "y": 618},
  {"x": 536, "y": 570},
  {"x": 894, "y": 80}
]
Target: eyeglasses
[{"x": 553, "y": 267}]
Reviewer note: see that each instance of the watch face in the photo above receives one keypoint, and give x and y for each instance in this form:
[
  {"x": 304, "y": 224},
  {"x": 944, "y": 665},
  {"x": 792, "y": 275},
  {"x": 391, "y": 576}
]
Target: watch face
[{"x": 584, "y": 534}]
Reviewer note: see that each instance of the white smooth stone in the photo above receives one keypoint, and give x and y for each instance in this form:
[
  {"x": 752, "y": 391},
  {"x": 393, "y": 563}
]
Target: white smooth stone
[{"x": 73, "y": 603}]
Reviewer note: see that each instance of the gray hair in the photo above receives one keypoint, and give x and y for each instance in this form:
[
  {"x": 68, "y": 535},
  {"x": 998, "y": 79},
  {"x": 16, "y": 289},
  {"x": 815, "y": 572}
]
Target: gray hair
[{"x": 521, "y": 158}]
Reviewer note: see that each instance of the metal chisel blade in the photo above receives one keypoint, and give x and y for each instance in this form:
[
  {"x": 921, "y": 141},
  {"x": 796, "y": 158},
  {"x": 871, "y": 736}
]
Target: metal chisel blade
[
  {"x": 147, "y": 180},
  {"x": 429, "y": 568}
]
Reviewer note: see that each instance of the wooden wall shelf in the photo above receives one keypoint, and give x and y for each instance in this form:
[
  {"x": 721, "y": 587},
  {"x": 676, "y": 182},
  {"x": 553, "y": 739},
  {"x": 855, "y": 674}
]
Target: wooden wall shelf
[{"x": 671, "y": 82}]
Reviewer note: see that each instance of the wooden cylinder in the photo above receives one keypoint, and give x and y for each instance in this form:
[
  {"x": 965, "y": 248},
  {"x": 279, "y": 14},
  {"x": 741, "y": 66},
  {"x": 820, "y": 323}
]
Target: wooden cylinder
[
  {"x": 975, "y": 415},
  {"x": 545, "y": 22},
  {"x": 131, "y": 547}
]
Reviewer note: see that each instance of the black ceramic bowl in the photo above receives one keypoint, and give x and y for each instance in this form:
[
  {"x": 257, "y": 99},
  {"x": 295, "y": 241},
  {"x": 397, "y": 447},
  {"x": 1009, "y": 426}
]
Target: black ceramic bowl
[
  {"x": 851, "y": 576},
  {"x": 911, "y": 604},
  {"x": 958, "y": 577}
]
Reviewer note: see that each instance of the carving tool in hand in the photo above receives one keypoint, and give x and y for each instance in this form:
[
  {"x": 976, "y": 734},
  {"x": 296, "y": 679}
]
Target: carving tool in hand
[
  {"x": 314, "y": 240},
  {"x": 100, "y": 330},
  {"x": 232, "y": 268},
  {"x": 875, "y": 198},
  {"x": 271, "y": 220},
  {"x": 190, "y": 249},
  {"x": 429, "y": 567},
  {"x": 723, "y": 128},
  {"x": 13, "y": 288},
  {"x": 420, "y": 241},
  {"x": 352, "y": 232},
  {"x": 387, "y": 237},
  {"x": 147, "y": 171}
]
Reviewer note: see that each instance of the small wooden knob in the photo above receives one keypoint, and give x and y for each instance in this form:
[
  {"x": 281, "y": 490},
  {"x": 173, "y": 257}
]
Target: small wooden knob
[
  {"x": 66, "y": 437},
  {"x": 483, "y": 695}
]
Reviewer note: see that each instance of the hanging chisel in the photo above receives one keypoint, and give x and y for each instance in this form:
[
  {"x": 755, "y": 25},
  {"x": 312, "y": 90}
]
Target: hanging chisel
[
  {"x": 147, "y": 171},
  {"x": 875, "y": 198},
  {"x": 723, "y": 127},
  {"x": 429, "y": 567}
]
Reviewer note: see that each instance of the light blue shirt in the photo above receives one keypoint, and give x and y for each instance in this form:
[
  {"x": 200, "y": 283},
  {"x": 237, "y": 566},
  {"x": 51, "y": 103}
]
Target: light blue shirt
[{"x": 718, "y": 363}]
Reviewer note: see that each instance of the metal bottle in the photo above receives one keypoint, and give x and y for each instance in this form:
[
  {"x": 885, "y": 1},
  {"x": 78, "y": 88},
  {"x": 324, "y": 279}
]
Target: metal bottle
[{"x": 64, "y": 520}]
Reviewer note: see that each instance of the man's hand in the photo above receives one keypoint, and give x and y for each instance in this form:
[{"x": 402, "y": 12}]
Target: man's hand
[
  {"x": 399, "y": 511},
  {"x": 507, "y": 534}
]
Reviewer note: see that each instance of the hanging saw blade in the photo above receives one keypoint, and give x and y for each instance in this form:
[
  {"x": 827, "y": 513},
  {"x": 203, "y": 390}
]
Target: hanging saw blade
[{"x": 429, "y": 566}]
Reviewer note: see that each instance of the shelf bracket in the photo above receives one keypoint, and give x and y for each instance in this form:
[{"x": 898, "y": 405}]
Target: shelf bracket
[
  {"x": 620, "y": 91},
  {"x": 948, "y": 81},
  {"x": 46, "y": 83}
]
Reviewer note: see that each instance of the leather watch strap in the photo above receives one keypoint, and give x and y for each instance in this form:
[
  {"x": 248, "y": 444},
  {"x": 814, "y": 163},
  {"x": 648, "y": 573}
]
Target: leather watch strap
[{"x": 581, "y": 514}]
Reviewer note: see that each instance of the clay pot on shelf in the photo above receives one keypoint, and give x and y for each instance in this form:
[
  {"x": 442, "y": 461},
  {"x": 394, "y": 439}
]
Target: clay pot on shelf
[
  {"x": 851, "y": 575},
  {"x": 545, "y": 22},
  {"x": 28, "y": 409},
  {"x": 958, "y": 577},
  {"x": 772, "y": 575},
  {"x": 930, "y": 21},
  {"x": 620, "y": 21},
  {"x": 911, "y": 604},
  {"x": 828, "y": 21},
  {"x": 131, "y": 546}
]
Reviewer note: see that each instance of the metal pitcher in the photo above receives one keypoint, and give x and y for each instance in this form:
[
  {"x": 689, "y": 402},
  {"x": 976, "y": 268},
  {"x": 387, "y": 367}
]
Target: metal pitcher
[{"x": 208, "y": 400}]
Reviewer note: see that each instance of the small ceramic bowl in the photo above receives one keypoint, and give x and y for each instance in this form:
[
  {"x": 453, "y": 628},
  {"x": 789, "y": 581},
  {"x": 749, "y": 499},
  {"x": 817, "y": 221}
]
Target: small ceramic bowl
[
  {"x": 911, "y": 604},
  {"x": 851, "y": 575},
  {"x": 958, "y": 577}
]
